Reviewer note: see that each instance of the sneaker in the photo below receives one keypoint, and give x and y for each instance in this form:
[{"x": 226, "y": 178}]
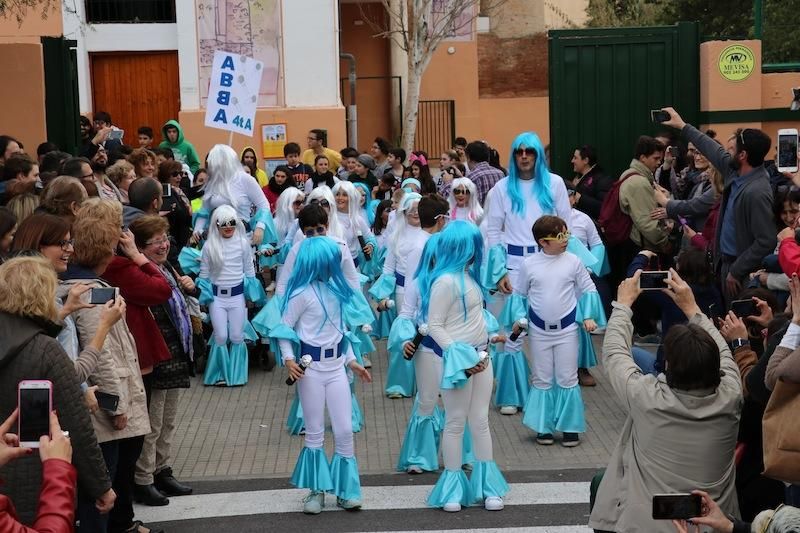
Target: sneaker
[
  {"x": 394, "y": 396},
  {"x": 585, "y": 378},
  {"x": 508, "y": 410},
  {"x": 493, "y": 503},
  {"x": 348, "y": 505},
  {"x": 452, "y": 507},
  {"x": 467, "y": 467},
  {"x": 413, "y": 469},
  {"x": 653, "y": 339},
  {"x": 367, "y": 362},
  {"x": 570, "y": 440},
  {"x": 545, "y": 439},
  {"x": 314, "y": 502}
]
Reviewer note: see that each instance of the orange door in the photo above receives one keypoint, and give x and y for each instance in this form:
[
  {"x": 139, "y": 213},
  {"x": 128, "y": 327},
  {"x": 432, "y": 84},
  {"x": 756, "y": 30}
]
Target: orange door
[{"x": 137, "y": 89}]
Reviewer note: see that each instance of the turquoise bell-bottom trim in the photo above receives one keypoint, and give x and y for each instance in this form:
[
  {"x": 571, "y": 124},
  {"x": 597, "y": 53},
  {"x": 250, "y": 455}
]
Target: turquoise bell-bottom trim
[
  {"x": 421, "y": 441},
  {"x": 294, "y": 422},
  {"x": 512, "y": 373},
  {"x": 586, "y": 354},
  {"x": 451, "y": 487},
  {"x": 400, "y": 377},
  {"x": 555, "y": 409},
  {"x": 237, "y": 365},
  {"x": 312, "y": 471},
  {"x": 217, "y": 365},
  {"x": 487, "y": 481},
  {"x": 346, "y": 481}
]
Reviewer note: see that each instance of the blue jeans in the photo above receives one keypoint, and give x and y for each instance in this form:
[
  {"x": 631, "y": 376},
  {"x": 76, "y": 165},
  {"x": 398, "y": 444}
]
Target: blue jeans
[
  {"x": 793, "y": 495},
  {"x": 645, "y": 360}
]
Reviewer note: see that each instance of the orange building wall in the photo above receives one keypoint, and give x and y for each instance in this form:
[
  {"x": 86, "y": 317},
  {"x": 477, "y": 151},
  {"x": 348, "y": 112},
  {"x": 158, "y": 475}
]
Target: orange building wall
[
  {"x": 33, "y": 26},
  {"x": 502, "y": 119},
  {"x": 23, "y": 70}
]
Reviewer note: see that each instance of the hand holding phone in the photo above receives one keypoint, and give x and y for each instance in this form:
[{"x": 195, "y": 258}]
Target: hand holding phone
[
  {"x": 35, "y": 400},
  {"x": 682, "y": 506},
  {"x": 658, "y": 116},
  {"x": 101, "y": 295},
  {"x": 654, "y": 280},
  {"x": 787, "y": 150},
  {"x": 744, "y": 308}
]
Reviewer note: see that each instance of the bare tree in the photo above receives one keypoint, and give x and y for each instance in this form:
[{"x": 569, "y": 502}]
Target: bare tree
[
  {"x": 19, "y": 8},
  {"x": 418, "y": 27}
]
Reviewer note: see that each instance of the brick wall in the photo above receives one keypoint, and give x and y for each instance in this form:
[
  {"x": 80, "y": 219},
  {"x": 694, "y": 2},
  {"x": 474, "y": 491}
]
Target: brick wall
[{"x": 512, "y": 67}]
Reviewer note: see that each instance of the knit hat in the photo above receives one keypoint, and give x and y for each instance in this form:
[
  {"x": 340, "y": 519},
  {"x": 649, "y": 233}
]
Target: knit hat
[{"x": 367, "y": 161}]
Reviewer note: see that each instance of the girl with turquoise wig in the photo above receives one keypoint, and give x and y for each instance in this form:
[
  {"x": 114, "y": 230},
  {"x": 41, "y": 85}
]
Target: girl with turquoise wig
[
  {"x": 316, "y": 347},
  {"x": 529, "y": 191}
]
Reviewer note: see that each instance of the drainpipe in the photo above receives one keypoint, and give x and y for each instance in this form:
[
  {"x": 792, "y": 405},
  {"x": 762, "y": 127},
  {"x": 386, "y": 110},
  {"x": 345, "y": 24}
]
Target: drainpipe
[{"x": 352, "y": 125}]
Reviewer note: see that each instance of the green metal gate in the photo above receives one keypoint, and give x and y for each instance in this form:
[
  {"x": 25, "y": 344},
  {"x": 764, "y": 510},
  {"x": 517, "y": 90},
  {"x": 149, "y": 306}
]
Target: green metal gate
[
  {"x": 61, "y": 92},
  {"x": 605, "y": 81}
]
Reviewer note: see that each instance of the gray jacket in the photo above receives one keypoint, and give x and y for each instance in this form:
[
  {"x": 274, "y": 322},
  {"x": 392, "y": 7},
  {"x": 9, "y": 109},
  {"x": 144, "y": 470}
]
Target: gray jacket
[
  {"x": 696, "y": 207},
  {"x": 756, "y": 235},
  {"x": 672, "y": 441}
]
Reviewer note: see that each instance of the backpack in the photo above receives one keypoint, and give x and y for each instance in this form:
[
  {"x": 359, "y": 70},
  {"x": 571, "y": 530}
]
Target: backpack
[{"x": 615, "y": 223}]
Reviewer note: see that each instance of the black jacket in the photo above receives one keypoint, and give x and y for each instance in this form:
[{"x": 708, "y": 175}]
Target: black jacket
[{"x": 593, "y": 187}]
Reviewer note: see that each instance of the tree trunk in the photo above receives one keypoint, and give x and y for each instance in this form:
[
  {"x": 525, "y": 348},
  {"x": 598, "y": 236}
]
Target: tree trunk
[{"x": 411, "y": 108}]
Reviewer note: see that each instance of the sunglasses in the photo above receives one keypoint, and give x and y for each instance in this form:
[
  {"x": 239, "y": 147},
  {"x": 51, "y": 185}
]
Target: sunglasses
[
  {"x": 319, "y": 230},
  {"x": 519, "y": 152},
  {"x": 226, "y": 223},
  {"x": 460, "y": 191},
  {"x": 175, "y": 174},
  {"x": 297, "y": 203},
  {"x": 323, "y": 203},
  {"x": 560, "y": 237}
]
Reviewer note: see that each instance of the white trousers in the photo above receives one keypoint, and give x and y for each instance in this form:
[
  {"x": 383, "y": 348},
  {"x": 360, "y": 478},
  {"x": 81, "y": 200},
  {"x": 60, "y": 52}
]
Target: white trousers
[
  {"x": 228, "y": 314},
  {"x": 428, "y": 371},
  {"x": 331, "y": 389},
  {"x": 469, "y": 403},
  {"x": 556, "y": 357}
]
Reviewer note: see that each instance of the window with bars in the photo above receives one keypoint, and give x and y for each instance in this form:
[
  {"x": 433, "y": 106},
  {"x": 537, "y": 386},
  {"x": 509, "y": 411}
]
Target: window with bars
[{"x": 130, "y": 11}]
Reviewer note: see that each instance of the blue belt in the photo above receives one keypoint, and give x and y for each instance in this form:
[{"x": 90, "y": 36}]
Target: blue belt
[
  {"x": 230, "y": 291},
  {"x": 428, "y": 342},
  {"x": 537, "y": 321},
  {"x": 401, "y": 279},
  {"x": 318, "y": 353},
  {"x": 520, "y": 251}
]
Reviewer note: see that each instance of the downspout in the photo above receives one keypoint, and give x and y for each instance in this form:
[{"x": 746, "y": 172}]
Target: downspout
[{"x": 352, "y": 123}]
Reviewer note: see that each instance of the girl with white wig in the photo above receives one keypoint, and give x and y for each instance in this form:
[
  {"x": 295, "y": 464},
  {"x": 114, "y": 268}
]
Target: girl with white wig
[
  {"x": 353, "y": 224},
  {"x": 229, "y": 184},
  {"x": 323, "y": 196},
  {"x": 289, "y": 204},
  {"x": 227, "y": 278},
  {"x": 463, "y": 200}
]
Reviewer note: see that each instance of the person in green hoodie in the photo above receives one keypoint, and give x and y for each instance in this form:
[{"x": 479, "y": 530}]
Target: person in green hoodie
[{"x": 182, "y": 149}]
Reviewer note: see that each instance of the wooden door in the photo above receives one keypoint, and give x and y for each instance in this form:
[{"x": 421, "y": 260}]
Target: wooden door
[{"x": 136, "y": 89}]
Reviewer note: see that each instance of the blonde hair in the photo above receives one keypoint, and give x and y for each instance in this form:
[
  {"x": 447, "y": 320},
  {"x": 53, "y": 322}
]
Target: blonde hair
[
  {"x": 59, "y": 194},
  {"x": 96, "y": 231},
  {"x": 23, "y": 205},
  {"x": 119, "y": 171},
  {"x": 28, "y": 288}
]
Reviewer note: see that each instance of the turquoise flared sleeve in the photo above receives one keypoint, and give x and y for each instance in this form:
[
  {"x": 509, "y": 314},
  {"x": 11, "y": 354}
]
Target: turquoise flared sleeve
[
  {"x": 250, "y": 334},
  {"x": 384, "y": 287},
  {"x": 357, "y": 311},
  {"x": 516, "y": 307},
  {"x": 269, "y": 316},
  {"x": 495, "y": 267},
  {"x": 576, "y": 247},
  {"x": 602, "y": 267},
  {"x": 206, "y": 292},
  {"x": 263, "y": 216},
  {"x": 591, "y": 306},
  {"x": 285, "y": 248},
  {"x": 368, "y": 266},
  {"x": 492, "y": 325},
  {"x": 374, "y": 268},
  {"x": 456, "y": 359},
  {"x": 253, "y": 291},
  {"x": 267, "y": 261},
  {"x": 403, "y": 330},
  {"x": 203, "y": 213},
  {"x": 189, "y": 260}
]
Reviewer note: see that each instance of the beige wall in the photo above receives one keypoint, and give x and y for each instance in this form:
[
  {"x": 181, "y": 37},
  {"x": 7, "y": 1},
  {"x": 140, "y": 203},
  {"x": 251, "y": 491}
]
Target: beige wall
[
  {"x": 502, "y": 119},
  {"x": 33, "y": 26}
]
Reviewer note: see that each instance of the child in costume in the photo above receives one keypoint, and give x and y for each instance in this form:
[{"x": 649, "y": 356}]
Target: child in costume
[
  {"x": 529, "y": 191},
  {"x": 313, "y": 324},
  {"x": 452, "y": 304},
  {"x": 463, "y": 200},
  {"x": 560, "y": 295},
  {"x": 227, "y": 278},
  {"x": 353, "y": 224}
]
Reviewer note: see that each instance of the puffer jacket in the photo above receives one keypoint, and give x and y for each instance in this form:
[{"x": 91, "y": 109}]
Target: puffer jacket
[
  {"x": 125, "y": 378},
  {"x": 28, "y": 350}
]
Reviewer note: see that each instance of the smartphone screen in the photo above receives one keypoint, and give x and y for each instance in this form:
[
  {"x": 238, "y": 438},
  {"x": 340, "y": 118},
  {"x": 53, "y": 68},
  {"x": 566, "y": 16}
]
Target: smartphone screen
[
  {"x": 167, "y": 190},
  {"x": 787, "y": 151},
  {"x": 676, "y": 506},
  {"x": 650, "y": 281},
  {"x": 101, "y": 295},
  {"x": 744, "y": 308},
  {"x": 659, "y": 116},
  {"x": 107, "y": 401},
  {"x": 34, "y": 414}
]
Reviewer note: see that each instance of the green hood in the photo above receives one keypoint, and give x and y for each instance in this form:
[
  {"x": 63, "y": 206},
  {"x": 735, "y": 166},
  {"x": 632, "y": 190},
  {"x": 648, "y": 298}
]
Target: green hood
[{"x": 173, "y": 123}]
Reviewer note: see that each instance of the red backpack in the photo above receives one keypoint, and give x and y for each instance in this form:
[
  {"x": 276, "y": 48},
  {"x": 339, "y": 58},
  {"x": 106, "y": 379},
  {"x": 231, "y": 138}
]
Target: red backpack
[{"x": 615, "y": 223}]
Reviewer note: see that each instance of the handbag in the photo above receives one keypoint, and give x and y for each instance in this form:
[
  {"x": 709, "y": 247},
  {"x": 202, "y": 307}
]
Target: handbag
[{"x": 781, "y": 430}]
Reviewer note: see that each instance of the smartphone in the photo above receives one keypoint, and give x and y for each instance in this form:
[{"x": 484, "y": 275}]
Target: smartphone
[
  {"x": 672, "y": 151},
  {"x": 683, "y": 221},
  {"x": 116, "y": 135},
  {"x": 787, "y": 150},
  {"x": 107, "y": 401},
  {"x": 35, "y": 400},
  {"x": 744, "y": 308},
  {"x": 659, "y": 116},
  {"x": 676, "y": 506},
  {"x": 167, "y": 190},
  {"x": 654, "y": 280},
  {"x": 101, "y": 295}
]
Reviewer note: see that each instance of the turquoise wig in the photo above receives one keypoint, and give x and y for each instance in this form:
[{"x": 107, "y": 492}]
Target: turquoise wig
[
  {"x": 319, "y": 260},
  {"x": 541, "y": 176},
  {"x": 458, "y": 248}
]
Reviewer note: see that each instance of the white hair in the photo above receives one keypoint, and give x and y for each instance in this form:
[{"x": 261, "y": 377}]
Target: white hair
[
  {"x": 214, "y": 244},
  {"x": 474, "y": 207},
  {"x": 284, "y": 211},
  {"x": 410, "y": 199},
  {"x": 223, "y": 165},
  {"x": 323, "y": 192},
  {"x": 353, "y": 202}
]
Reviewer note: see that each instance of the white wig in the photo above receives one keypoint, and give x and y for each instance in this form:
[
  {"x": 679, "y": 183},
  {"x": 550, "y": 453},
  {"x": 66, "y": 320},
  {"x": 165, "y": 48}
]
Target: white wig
[
  {"x": 323, "y": 192},
  {"x": 353, "y": 202},
  {"x": 475, "y": 214},
  {"x": 223, "y": 165},
  {"x": 214, "y": 245},
  {"x": 410, "y": 199},
  {"x": 284, "y": 211}
]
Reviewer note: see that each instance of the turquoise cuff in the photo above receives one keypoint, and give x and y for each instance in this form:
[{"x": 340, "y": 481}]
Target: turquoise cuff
[
  {"x": 189, "y": 260},
  {"x": 269, "y": 317},
  {"x": 263, "y": 216},
  {"x": 487, "y": 481},
  {"x": 456, "y": 359},
  {"x": 254, "y": 292},
  {"x": 267, "y": 261},
  {"x": 346, "y": 482},
  {"x": 206, "y": 292},
  {"x": 357, "y": 311},
  {"x": 495, "y": 267},
  {"x": 575, "y": 246},
  {"x": 452, "y": 487},
  {"x": 285, "y": 248},
  {"x": 403, "y": 330},
  {"x": 590, "y": 306},
  {"x": 203, "y": 213},
  {"x": 516, "y": 307},
  {"x": 384, "y": 287},
  {"x": 374, "y": 268},
  {"x": 602, "y": 267},
  {"x": 312, "y": 471}
]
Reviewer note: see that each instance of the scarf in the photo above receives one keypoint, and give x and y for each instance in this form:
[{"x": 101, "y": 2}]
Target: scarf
[{"x": 179, "y": 312}]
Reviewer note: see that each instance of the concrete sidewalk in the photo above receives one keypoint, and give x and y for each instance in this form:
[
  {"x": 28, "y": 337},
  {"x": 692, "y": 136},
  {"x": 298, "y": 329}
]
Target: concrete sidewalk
[{"x": 240, "y": 432}]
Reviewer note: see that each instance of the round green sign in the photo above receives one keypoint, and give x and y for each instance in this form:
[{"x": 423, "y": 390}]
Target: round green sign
[{"x": 736, "y": 62}]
